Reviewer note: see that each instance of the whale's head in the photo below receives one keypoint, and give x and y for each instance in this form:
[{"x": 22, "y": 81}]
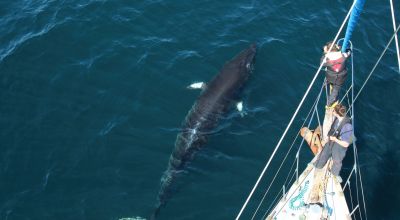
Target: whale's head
[
  {"x": 249, "y": 56},
  {"x": 245, "y": 61}
]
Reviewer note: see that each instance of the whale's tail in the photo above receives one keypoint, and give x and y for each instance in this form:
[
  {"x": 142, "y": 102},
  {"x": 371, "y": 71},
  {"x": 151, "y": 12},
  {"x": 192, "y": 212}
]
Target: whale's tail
[
  {"x": 165, "y": 191},
  {"x": 155, "y": 212}
]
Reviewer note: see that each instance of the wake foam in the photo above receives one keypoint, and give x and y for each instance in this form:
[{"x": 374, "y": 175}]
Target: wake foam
[{"x": 133, "y": 218}]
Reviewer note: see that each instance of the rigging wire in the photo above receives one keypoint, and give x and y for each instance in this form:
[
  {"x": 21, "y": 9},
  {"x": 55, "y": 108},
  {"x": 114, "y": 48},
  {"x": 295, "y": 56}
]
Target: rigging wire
[
  {"x": 291, "y": 179},
  {"x": 394, "y": 29},
  {"x": 353, "y": 123},
  {"x": 293, "y": 117},
  {"x": 333, "y": 201},
  {"x": 358, "y": 170},
  {"x": 357, "y": 189},
  {"x": 377, "y": 62},
  {"x": 362, "y": 189},
  {"x": 348, "y": 178},
  {"x": 318, "y": 119},
  {"x": 351, "y": 196},
  {"x": 290, "y": 149},
  {"x": 315, "y": 111},
  {"x": 299, "y": 185}
]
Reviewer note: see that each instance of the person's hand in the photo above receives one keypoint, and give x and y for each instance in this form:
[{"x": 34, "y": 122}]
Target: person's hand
[
  {"x": 348, "y": 52},
  {"x": 332, "y": 138},
  {"x": 323, "y": 142}
]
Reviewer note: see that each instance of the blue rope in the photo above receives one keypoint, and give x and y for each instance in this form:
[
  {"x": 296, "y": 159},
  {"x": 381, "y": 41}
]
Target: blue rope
[
  {"x": 299, "y": 198},
  {"x": 355, "y": 14}
]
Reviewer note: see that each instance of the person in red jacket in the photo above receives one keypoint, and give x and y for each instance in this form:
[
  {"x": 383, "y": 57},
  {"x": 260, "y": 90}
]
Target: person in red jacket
[{"x": 335, "y": 70}]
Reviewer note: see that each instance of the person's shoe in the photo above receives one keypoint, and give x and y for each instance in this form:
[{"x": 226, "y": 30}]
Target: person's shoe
[
  {"x": 338, "y": 178},
  {"x": 317, "y": 203}
]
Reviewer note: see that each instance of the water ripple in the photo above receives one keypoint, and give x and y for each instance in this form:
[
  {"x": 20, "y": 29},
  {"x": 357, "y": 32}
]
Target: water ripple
[
  {"x": 112, "y": 124},
  {"x": 10, "y": 23}
]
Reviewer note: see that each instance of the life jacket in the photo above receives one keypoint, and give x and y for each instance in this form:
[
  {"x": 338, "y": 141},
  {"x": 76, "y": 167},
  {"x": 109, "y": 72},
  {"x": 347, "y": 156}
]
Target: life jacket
[
  {"x": 336, "y": 72},
  {"x": 338, "y": 131}
]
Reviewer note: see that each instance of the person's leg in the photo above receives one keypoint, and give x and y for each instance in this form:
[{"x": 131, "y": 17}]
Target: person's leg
[
  {"x": 334, "y": 92},
  {"x": 327, "y": 124},
  {"x": 338, "y": 153},
  {"x": 323, "y": 156}
]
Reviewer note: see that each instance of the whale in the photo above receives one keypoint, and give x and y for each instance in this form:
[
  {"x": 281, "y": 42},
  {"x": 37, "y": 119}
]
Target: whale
[{"x": 213, "y": 103}]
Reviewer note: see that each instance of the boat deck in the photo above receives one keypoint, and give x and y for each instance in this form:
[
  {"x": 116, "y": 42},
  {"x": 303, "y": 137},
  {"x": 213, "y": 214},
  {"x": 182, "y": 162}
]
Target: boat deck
[{"x": 316, "y": 195}]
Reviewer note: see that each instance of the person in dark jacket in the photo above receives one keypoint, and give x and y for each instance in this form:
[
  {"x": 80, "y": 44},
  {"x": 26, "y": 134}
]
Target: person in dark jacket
[
  {"x": 335, "y": 70},
  {"x": 340, "y": 137}
]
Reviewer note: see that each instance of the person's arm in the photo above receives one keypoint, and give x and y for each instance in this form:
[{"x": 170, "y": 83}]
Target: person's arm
[{"x": 340, "y": 142}]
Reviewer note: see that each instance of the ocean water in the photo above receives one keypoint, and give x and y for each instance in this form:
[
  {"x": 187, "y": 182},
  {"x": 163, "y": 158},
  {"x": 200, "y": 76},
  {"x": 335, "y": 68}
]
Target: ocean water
[{"x": 93, "y": 94}]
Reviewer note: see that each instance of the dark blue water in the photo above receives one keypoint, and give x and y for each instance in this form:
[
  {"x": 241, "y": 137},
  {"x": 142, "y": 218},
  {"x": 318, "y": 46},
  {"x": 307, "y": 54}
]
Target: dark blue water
[{"x": 92, "y": 96}]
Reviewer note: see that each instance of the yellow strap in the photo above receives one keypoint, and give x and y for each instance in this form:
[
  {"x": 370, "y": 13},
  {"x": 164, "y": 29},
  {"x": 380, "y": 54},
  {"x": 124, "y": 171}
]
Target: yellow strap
[{"x": 332, "y": 106}]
